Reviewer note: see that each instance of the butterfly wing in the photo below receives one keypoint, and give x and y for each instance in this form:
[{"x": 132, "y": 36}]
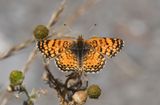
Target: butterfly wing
[
  {"x": 93, "y": 61},
  {"x": 52, "y": 48},
  {"x": 106, "y": 46},
  {"x": 60, "y": 49},
  {"x": 67, "y": 61}
]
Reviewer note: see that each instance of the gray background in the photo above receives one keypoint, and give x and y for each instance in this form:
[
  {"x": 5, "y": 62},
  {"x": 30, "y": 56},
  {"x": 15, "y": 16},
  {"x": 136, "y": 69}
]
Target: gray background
[{"x": 130, "y": 78}]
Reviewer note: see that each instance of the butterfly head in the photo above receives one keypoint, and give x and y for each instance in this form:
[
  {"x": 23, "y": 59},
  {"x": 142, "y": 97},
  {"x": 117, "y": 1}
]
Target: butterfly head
[
  {"x": 79, "y": 48},
  {"x": 80, "y": 38}
]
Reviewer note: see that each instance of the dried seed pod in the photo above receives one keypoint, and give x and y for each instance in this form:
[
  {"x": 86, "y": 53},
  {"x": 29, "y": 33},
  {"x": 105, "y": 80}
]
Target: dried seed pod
[{"x": 80, "y": 97}]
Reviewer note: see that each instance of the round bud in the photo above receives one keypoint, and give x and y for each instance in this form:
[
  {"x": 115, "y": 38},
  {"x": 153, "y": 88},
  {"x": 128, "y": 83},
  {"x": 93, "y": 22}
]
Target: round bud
[
  {"x": 16, "y": 77},
  {"x": 94, "y": 91},
  {"x": 40, "y": 32}
]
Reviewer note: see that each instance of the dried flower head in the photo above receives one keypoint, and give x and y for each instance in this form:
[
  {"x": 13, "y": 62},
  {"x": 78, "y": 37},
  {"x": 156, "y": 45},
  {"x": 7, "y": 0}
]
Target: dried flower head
[{"x": 80, "y": 97}]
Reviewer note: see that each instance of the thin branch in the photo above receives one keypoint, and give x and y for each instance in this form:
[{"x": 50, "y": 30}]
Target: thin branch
[
  {"x": 53, "y": 20},
  {"x": 29, "y": 61},
  {"x": 65, "y": 91},
  {"x": 16, "y": 48},
  {"x": 5, "y": 97},
  {"x": 56, "y": 15},
  {"x": 21, "y": 46},
  {"x": 54, "y": 83}
]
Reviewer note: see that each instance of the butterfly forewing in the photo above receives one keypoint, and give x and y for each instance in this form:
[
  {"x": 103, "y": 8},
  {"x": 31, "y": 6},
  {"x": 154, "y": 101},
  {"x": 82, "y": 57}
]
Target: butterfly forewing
[
  {"x": 52, "y": 48},
  {"x": 106, "y": 46}
]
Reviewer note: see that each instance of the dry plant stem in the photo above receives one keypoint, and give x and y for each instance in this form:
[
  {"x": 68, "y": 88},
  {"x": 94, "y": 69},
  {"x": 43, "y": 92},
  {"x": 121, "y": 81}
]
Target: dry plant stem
[
  {"x": 23, "y": 89},
  {"x": 62, "y": 101},
  {"x": 5, "y": 97},
  {"x": 21, "y": 46},
  {"x": 56, "y": 15},
  {"x": 25, "y": 68},
  {"x": 59, "y": 87},
  {"x": 54, "y": 83},
  {"x": 53, "y": 20},
  {"x": 29, "y": 61},
  {"x": 79, "y": 12},
  {"x": 15, "y": 49},
  {"x": 51, "y": 77}
]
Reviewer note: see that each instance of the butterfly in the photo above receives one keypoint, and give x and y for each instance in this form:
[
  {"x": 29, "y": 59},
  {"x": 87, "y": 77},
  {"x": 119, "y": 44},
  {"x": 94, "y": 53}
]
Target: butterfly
[{"x": 80, "y": 55}]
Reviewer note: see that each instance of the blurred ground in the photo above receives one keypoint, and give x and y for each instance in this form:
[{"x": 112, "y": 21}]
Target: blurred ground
[{"x": 131, "y": 78}]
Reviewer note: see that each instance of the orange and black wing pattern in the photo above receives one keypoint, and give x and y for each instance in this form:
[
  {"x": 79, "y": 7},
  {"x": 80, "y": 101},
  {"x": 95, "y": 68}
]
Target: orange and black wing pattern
[
  {"x": 60, "y": 50},
  {"x": 67, "y": 61},
  {"x": 52, "y": 48},
  {"x": 93, "y": 61},
  {"x": 105, "y": 45}
]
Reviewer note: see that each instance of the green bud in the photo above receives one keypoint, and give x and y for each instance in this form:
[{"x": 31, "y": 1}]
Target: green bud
[
  {"x": 41, "y": 32},
  {"x": 16, "y": 77},
  {"x": 94, "y": 91}
]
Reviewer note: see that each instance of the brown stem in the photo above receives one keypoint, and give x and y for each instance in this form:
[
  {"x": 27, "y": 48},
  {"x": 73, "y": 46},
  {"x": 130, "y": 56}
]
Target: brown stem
[{"x": 16, "y": 48}]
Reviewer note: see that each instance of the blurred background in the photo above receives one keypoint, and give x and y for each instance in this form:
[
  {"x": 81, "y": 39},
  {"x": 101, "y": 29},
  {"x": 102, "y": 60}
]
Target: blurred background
[{"x": 130, "y": 78}]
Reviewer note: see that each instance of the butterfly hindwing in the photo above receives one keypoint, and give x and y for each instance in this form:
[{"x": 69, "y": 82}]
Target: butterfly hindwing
[
  {"x": 67, "y": 61},
  {"x": 93, "y": 61}
]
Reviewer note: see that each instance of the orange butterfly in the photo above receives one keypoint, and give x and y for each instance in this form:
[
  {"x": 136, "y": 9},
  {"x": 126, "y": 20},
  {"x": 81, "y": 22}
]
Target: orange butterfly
[{"x": 80, "y": 55}]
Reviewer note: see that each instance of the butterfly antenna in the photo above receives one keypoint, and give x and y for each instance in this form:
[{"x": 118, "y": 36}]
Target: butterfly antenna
[
  {"x": 91, "y": 28},
  {"x": 68, "y": 28}
]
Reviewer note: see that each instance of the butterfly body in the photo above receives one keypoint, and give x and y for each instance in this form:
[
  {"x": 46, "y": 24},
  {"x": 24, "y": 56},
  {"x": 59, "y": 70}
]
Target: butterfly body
[
  {"x": 80, "y": 55},
  {"x": 80, "y": 48}
]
